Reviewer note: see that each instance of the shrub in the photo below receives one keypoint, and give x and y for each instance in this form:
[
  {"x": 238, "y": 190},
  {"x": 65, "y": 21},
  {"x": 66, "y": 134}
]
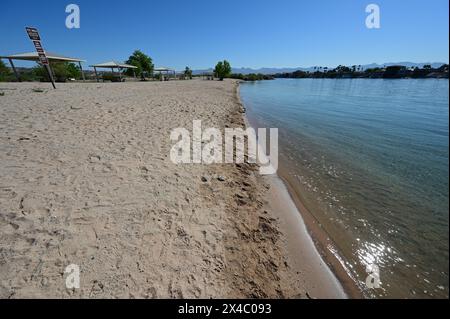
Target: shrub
[{"x": 111, "y": 77}]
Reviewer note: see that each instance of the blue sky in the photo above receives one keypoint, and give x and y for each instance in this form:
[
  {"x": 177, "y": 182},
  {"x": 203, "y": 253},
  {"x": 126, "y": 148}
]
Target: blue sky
[{"x": 249, "y": 33}]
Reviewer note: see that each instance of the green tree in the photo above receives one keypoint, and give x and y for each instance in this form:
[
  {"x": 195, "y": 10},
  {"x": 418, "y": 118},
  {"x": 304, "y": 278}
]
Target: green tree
[
  {"x": 342, "y": 69},
  {"x": 40, "y": 73},
  {"x": 73, "y": 71},
  {"x": 3, "y": 68},
  {"x": 4, "y": 71},
  {"x": 222, "y": 69},
  {"x": 392, "y": 72},
  {"x": 218, "y": 69},
  {"x": 188, "y": 72},
  {"x": 143, "y": 63},
  {"x": 61, "y": 71},
  {"x": 373, "y": 70}
]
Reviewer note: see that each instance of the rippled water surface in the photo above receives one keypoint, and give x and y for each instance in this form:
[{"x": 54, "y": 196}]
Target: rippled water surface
[{"x": 370, "y": 158}]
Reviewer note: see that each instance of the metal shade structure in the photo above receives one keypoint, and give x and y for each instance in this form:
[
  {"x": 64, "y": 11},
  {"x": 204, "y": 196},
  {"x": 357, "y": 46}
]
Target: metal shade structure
[
  {"x": 161, "y": 70},
  {"x": 33, "y": 56},
  {"x": 113, "y": 65}
]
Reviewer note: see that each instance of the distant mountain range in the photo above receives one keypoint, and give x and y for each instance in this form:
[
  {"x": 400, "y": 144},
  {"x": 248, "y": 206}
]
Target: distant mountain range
[{"x": 288, "y": 70}]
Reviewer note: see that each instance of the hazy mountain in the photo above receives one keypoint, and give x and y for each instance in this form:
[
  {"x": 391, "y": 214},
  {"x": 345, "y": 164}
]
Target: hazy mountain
[{"x": 288, "y": 70}]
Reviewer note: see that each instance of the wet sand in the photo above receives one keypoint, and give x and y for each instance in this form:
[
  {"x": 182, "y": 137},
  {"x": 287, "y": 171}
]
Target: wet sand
[
  {"x": 86, "y": 179},
  {"x": 299, "y": 246},
  {"x": 322, "y": 241}
]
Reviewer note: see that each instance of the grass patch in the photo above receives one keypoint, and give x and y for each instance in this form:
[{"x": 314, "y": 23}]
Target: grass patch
[
  {"x": 2, "y": 93},
  {"x": 38, "y": 90}
]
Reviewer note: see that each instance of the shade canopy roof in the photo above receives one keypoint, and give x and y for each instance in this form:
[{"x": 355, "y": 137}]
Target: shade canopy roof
[
  {"x": 163, "y": 69},
  {"x": 113, "y": 64},
  {"x": 33, "y": 56}
]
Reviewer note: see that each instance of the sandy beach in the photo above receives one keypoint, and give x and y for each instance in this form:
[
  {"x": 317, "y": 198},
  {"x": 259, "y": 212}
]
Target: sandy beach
[{"x": 86, "y": 178}]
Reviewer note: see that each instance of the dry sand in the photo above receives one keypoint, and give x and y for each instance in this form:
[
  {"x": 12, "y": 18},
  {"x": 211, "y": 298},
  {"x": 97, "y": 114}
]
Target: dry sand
[{"x": 86, "y": 178}]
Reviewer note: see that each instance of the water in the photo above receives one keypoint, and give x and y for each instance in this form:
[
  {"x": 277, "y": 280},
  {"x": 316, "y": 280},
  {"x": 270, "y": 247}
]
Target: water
[{"x": 370, "y": 158}]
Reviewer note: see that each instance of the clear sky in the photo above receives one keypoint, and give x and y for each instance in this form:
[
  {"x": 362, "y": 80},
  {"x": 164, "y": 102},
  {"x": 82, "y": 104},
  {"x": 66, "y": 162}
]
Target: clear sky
[{"x": 248, "y": 33}]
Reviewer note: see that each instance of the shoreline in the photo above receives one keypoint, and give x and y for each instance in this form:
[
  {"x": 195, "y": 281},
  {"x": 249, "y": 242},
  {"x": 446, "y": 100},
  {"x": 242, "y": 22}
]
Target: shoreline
[
  {"x": 300, "y": 245},
  {"x": 322, "y": 244}
]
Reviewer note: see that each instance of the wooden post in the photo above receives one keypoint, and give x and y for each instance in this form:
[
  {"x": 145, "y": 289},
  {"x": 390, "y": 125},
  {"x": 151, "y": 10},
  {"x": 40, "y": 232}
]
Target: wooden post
[
  {"x": 96, "y": 75},
  {"x": 82, "y": 73},
  {"x": 15, "y": 71},
  {"x": 51, "y": 74}
]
